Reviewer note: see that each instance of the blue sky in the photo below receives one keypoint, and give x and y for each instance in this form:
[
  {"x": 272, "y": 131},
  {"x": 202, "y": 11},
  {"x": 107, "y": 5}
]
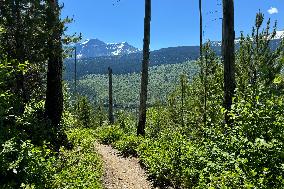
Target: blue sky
[{"x": 174, "y": 22}]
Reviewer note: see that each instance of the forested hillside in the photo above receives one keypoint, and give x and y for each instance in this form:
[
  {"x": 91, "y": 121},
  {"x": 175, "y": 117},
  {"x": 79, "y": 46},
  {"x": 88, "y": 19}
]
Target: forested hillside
[{"x": 163, "y": 81}]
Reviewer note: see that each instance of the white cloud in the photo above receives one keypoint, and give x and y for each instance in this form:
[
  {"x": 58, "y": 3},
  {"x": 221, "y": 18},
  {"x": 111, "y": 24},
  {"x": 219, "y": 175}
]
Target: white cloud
[{"x": 272, "y": 10}]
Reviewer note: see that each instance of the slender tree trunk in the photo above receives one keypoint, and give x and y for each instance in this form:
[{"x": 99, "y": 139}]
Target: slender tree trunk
[
  {"x": 110, "y": 100},
  {"x": 228, "y": 50},
  {"x": 54, "y": 94},
  {"x": 182, "y": 82},
  {"x": 201, "y": 27},
  {"x": 255, "y": 63},
  {"x": 203, "y": 67},
  {"x": 145, "y": 65},
  {"x": 205, "y": 87},
  {"x": 75, "y": 73}
]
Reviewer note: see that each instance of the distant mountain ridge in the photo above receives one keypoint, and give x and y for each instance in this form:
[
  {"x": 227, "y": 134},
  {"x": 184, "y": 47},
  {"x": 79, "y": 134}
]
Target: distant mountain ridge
[
  {"x": 92, "y": 48},
  {"x": 127, "y": 60}
]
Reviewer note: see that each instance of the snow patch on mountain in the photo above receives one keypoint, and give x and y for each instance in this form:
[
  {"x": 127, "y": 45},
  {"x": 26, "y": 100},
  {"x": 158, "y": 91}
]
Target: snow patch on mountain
[
  {"x": 95, "y": 48},
  {"x": 279, "y": 35},
  {"x": 85, "y": 42}
]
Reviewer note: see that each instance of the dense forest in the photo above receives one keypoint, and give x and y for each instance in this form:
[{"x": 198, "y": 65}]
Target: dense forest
[
  {"x": 163, "y": 80},
  {"x": 216, "y": 122}
]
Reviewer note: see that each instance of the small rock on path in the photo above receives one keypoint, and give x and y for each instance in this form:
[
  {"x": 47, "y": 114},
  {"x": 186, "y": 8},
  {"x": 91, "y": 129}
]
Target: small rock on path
[{"x": 120, "y": 172}]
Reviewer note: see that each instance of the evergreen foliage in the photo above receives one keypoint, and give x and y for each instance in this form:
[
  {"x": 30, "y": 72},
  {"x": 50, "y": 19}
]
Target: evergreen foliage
[{"x": 84, "y": 112}]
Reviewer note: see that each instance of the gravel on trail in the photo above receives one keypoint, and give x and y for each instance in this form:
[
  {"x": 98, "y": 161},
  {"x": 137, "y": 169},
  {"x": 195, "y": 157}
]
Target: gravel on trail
[{"x": 121, "y": 172}]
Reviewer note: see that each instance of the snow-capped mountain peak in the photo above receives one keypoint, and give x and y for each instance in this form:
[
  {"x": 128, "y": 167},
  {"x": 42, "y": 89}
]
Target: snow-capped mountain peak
[
  {"x": 94, "y": 48},
  {"x": 279, "y": 35}
]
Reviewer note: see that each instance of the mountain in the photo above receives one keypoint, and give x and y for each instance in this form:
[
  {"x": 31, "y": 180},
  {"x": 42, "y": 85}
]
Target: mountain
[
  {"x": 96, "y": 48},
  {"x": 127, "y": 62}
]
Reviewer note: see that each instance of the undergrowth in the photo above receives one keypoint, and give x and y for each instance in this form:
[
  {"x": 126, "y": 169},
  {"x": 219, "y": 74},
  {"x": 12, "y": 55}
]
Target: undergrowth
[{"x": 80, "y": 167}]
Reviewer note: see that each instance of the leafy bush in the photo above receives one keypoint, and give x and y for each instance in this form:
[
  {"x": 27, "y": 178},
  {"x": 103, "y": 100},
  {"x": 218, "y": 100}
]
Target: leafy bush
[
  {"x": 128, "y": 144},
  {"x": 126, "y": 122},
  {"x": 23, "y": 164},
  {"x": 156, "y": 119},
  {"x": 162, "y": 158},
  {"x": 69, "y": 121},
  {"x": 109, "y": 134},
  {"x": 80, "y": 167}
]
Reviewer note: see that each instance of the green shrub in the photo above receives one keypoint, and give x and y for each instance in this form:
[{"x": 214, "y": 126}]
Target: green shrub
[
  {"x": 128, "y": 144},
  {"x": 23, "y": 164},
  {"x": 165, "y": 158},
  {"x": 109, "y": 134},
  {"x": 80, "y": 167},
  {"x": 69, "y": 121},
  {"x": 156, "y": 119},
  {"x": 126, "y": 122}
]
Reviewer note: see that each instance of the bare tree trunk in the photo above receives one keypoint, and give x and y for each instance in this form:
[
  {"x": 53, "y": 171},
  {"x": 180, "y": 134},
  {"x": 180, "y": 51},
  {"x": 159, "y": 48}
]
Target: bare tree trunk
[
  {"x": 145, "y": 65},
  {"x": 110, "y": 100},
  {"x": 54, "y": 94},
  {"x": 75, "y": 72},
  {"x": 205, "y": 87},
  {"x": 203, "y": 67},
  {"x": 228, "y": 50},
  {"x": 201, "y": 27},
  {"x": 182, "y": 82}
]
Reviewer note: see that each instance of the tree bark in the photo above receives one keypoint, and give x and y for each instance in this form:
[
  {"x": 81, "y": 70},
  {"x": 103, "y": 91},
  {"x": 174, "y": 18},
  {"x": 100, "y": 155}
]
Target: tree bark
[
  {"x": 228, "y": 51},
  {"x": 145, "y": 65},
  {"x": 54, "y": 93},
  {"x": 110, "y": 98}
]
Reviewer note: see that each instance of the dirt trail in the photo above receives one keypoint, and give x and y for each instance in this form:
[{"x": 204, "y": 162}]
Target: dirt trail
[{"x": 120, "y": 172}]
